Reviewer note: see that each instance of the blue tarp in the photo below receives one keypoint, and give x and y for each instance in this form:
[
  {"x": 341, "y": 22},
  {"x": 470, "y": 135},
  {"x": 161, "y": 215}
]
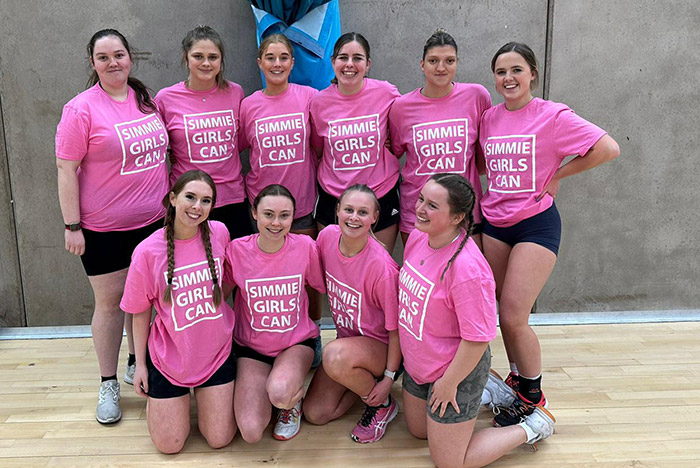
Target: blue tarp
[{"x": 313, "y": 31}]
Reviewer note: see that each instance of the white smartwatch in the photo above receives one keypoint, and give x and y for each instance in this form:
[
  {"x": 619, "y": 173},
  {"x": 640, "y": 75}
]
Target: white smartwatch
[{"x": 390, "y": 374}]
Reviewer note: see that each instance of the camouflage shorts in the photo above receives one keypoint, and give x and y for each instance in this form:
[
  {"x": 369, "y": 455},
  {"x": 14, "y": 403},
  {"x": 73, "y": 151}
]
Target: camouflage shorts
[{"x": 468, "y": 393}]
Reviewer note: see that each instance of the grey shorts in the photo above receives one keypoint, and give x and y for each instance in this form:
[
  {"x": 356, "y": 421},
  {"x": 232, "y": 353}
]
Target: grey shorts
[{"x": 469, "y": 393}]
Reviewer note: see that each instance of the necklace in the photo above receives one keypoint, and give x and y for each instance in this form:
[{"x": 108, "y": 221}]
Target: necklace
[{"x": 434, "y": 251}]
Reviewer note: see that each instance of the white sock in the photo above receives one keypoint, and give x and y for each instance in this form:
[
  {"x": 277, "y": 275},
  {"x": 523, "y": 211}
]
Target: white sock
[
  {"x": 513, "y": 368},
  {"x": 531, "y": 435}
]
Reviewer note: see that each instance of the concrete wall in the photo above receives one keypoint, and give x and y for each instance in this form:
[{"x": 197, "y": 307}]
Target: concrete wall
[{"x": 627, "y": 230}]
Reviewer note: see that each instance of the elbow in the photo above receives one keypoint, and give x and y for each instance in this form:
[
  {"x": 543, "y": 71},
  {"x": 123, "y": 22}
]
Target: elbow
[{"x": 612, "y": 149}]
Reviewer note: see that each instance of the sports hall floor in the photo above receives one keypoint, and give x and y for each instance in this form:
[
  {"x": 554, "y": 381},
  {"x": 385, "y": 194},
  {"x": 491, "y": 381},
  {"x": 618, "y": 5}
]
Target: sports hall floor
[{"x": 624, "y": 395}]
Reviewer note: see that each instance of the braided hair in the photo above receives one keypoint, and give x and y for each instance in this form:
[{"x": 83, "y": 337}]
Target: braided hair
[
  {"x": 143, "y": 95},
  {"x": 169, "y": 222},
  {"x": 461, "y": 199}
]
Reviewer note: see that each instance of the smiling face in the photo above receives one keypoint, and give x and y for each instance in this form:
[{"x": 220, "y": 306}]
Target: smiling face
[
  {"x": 439, "y": 66},
  {"x": 111, "y": 61},
  {"x": 513, "y": 78},
  {"x": 274, "y": 215},
  {"x": 433, "y": 214},
  {"x": 192, "y": 207},
  {"x": 276, "y": 64},
  {"x": 350, "y": 66},
  {"x": 357, "y": 212},
  {"x": 204, "y": 64}
]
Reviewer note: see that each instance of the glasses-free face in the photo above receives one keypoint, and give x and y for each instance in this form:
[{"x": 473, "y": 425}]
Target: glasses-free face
[
  {"x": 357, "y": 213},
  {"x": 204, "y": 64},
  {"x": 192, "y": 207},
  {"x": 111, "y": 61},
  {"x": 276, "y": 64},
  {"x": 274, "y": 215},
  {"x": 350, "y": 67},
  {"x": 439, "y": 66},
  {"x": 513, "y": 78}
]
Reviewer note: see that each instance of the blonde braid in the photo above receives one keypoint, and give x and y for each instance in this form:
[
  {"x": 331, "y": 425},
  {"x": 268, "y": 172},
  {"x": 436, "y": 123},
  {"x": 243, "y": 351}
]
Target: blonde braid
[{"x": 216, "y": 290}]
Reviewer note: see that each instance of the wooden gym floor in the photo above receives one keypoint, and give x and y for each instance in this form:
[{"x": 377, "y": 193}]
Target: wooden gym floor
[{"x": 623, "y": 395}]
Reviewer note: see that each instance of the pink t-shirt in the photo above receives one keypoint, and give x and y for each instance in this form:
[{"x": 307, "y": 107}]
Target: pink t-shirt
[
  {"x": 203, "y": 128},
  {"x": 277, "y": 130},
  {"x": 189, "y": 339},
  {"x": 122, "y": 175},
  {"x": 437, "y": 135},
  {"x": 354, "y": 129},
  {"x": 362, "y": 290},
  {"x": 523, "y": 149},
  {"x": 436, "y": 315},
  {"x": 272, "y": 307}
]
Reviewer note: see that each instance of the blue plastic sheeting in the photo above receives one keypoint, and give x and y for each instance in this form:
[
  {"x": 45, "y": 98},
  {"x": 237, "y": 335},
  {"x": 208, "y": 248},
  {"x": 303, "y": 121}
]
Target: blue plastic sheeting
[
  {"x": 313, "y": 37},
  {"x": 289, "y": 11}
]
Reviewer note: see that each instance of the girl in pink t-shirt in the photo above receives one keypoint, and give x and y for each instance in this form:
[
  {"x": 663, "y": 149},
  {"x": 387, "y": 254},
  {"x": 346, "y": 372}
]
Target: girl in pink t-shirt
[
  {"x": 202, "y": 118},
  {"x": 447, "y": 317},
  {"x": 274, "y": 334},
  {"x": 524, "y": 142},
  {"x": 178, "y": 271},
  {"x": 350, "y": 125},
  {"x": 437, "y": 126},
  {"x": 110, "y": 151},
  {"x": 364, "y": 360}
]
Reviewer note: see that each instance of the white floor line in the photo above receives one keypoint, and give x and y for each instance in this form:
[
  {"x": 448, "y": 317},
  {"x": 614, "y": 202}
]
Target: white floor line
[{"x": 570, "y": 318}]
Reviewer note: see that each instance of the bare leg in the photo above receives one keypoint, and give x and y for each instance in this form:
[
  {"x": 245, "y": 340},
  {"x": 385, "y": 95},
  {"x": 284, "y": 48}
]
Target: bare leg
[
  {"x": 251, "y": 405},
  {"x": 108, "y": 319},
  {"x": 128, "y": 327},
  {"x": 215, "y": 414},
  {"x": 169, "y": 422},
  {"x": 354, "y": 362},
  {"x": 326, "y": 399},
  {"x": 285, "y": 385},
  {"x": 414, "y": 410}
]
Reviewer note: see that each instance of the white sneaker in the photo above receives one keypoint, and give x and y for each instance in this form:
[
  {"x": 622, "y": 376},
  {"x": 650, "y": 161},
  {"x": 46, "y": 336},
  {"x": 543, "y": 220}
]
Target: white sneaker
[
  {"x": 497, "y": 392},
  {"x": 108, "y": 411},
  {"x": 288, "y": 423},
  {"x": 129, "y": 374},
  {"x": 541, "y": 422}
]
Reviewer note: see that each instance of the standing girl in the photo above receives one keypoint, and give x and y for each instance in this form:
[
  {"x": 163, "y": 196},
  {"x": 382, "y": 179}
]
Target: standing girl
[
  {"x": 447, "y": 316},
  {"x": 111, "y": 147},
  {"x": 178, "y": 271},
  {"x": 524, "y": 141},
  {"x": 274, "y": 335},
  {"x": 202, "y": 118},
  {"x": 437, "y": 126},
  {"x": 350, "y": 124},
  {"x": 364, "y": 360}
]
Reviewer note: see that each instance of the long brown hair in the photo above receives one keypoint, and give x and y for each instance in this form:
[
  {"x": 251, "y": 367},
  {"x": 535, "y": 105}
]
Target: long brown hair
[{"x": 180, "y": 184}]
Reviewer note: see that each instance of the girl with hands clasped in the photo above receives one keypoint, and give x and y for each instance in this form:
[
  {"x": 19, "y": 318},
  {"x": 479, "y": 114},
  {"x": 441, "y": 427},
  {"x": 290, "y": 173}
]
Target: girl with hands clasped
[
  {"x": 111, "y": 147},
  {"x": 361, "y": 282},
  {"x": 524, "y": 142},
  {"x": 350, "y": 122},
  {"x": 178, "y": 271},
  {"x": 274, "y": 334},
  {"x": 447, "y": 316}
]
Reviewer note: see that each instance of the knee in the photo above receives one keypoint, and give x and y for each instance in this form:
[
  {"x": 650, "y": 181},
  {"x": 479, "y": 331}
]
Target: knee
[
  {"x": 169, "y": 445},
  {"x": 251, "y": 434},
  {"x": 335, "y": 360},
  {"x": 221, "y": 439},
  {"x": 315, "y": 414},
  {"x": 281, "y": 393},
  {"x": 444, "y": 459}
]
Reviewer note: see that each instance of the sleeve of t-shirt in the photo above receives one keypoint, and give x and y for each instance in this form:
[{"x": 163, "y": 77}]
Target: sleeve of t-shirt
[
  {"x": 139, "y": 288},
  {"x": 474, "y": 302},
  {"x": 242, "y": 135},
  {"x": 228, "y": 265},
  {"x": 314, "y": 273},
  {"x": 397, "y": 148},
  {"x": 386, "y": 294},
  {"x": 316, "y": 140},
  {"x": 574, "y": 134},
  {"x": 72, "y": 134}
]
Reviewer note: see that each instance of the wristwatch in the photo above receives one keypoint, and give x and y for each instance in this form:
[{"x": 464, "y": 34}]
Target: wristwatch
[
  {"x": 391, "y": 374},
  {"x": 73, "y": 226}
]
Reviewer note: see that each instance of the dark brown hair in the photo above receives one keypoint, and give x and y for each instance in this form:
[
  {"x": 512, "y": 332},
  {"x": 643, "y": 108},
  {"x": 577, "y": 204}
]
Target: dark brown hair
[
  {"x": 439, "y": 38},
  {"x": 525, "y": 52},
  {"x": 143, "y": 95}
]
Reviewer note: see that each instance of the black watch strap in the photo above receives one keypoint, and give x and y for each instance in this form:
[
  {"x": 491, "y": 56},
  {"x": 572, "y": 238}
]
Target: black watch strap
[{"x": 73, "y": 226}]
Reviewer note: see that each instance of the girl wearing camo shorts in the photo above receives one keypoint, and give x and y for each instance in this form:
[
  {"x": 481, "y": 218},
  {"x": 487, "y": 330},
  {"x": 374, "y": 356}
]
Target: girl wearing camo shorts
[{"x": 447, "y": 317}]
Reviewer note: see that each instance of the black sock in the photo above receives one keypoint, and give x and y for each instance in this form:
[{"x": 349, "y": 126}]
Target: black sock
[
  {"x": 529, "y": 390},
  {"x": 132, "y": 360},
  {"x": 111, "y": 377}
]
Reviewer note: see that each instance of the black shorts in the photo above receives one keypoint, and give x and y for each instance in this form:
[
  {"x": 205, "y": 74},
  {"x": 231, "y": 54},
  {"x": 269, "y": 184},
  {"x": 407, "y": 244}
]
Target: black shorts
[
  {"x": 160, "y": 387},
  {"x": 326, "y": 206},
  {"x": 543, "y": 229},
  {"x": 110, "y": 251},
  {"x": 250, "y": 353},
  {"x": 235, "y": 216}
]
